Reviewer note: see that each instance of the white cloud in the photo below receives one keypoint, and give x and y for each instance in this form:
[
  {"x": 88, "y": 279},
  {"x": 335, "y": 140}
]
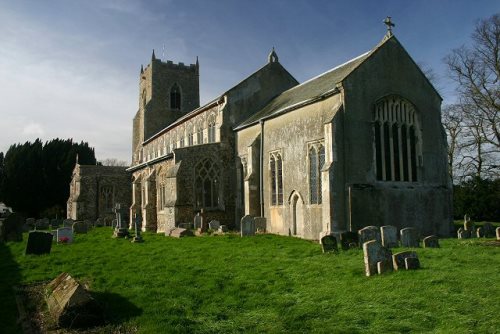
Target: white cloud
[{"x": 33, "y": 130}]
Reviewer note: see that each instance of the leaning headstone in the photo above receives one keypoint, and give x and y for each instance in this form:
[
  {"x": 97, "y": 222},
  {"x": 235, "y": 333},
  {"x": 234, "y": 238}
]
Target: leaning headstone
[
  {"x": 12, "y": 228},
  {"x": 412, "y": 263},
  {"x": 222, "y": 229},
  {"x": 383, "y": 267},
  {"x": 389, "y": 236},
  {"x": 398, "y": 259},
  {"x": 79, "y": 227},
  {"x": 369, "y": 233},
  {"x": 65, "y": 235},
  {"x": 247, "y": 226},
  {"x": 38, "y": 243},
  {"x": 71, "y": 305},
  {"x": 409, "y": 237},
  {"x": 374, "y": 253},
  {"x": 498, "y": 233},
  {"x": 489, "y": 230},
  {"x": 197, "y": 221},
  {"x": 68, "y": 222},
  {"x": 479, "y": 232},
  {"x": 348, "y": 240},
  {"x": 329, "y": 244},
  {"x": 260, "y": 224},
  {"x": 431, "y": 241},
  {"x": 214, "y": 225},
  {"x": 180, "y": 232}
]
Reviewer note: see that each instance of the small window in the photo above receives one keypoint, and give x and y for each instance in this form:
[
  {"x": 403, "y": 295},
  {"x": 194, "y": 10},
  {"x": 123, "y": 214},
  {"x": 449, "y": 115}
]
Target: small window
[
  {"x": 316, "y": 162},
  {"x": 175, "y": 97},
  {"x": 211, "y": 129},
  {"x": 276, "y": 179}
]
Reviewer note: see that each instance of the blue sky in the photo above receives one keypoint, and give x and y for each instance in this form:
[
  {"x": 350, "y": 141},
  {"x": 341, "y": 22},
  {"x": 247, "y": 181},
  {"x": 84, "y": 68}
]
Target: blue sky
[{"x": 70, "y": 69}]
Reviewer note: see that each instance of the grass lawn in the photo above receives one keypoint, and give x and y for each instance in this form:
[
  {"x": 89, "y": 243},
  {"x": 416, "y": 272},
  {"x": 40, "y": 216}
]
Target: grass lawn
[{"x": 265, "y": 284}]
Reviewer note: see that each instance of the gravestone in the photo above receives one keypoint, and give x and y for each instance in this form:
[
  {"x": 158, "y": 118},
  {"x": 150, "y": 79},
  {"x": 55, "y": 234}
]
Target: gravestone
[
  {"x": 398, "y": 259},
  {"x": 383, "y": 267},
  {"x": 65, "y": 235},
  {"x": 42, "y": 224},
  {"x": 222, "y": 229},
  {"x": 329, "y": 244},
  {"x": 197, "y": 221},
  {"x": 468, "y": 226},
  {"x": 68, "y": 222},
  {"x": 247, "y": 226},
  {"x": 431, "y": 241},
  {"x": 389, "y": 236},
  {"x": 180, "y": 232},
  {"x": 120, "y": 230},
  {"x": 498, "y": 233},
  {"x": 71, "y": 305},
  {"x": 489, "y": 230},
  {"x": 54, "y": 223},
  {"x": 260, "y": 224},
  {"x": 11, "y": 228},
  {"x": 137, "y": 227},
  {"x": 79, "y": 227},
  {"x": 409, "y": 237},
  {"x": 214, "y": 225},
  {"x": 466, "y": 218},
  {"x": 369, "y": 233},
  {"x": 412, "y": 263},
  {"x": 479, "y": 232},
  {"x": 38, "y": 243},
  {"x": 348, "y": 240},
  {"x": 374, "y": 253},
  {"x": 463, "y": 234}
]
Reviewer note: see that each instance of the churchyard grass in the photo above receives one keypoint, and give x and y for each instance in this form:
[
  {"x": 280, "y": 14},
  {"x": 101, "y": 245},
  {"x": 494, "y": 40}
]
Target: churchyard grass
[{"x": 266, "y": 284}]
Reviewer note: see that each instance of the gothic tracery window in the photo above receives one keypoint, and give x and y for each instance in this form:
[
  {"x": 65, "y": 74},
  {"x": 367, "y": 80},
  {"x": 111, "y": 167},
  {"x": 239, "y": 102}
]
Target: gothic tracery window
[
  {"x": 199, "y": 133},
  {"x": 107, "y": 197},
  {"x": 276, "y": 179},
  {"x": 396, "y": 139},
  {"x": 207, "y": 184},
  {"x": 316, "y": 162},
  {"x": 190, "y": 134},
  {"x": 175, "y": 97}
]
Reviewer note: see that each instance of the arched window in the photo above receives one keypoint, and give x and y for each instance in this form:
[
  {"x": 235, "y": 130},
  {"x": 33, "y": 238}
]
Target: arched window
[
  {"x": 175, "y": 97},
  {"x": 190, "y": 134},
  {"x": 107, "y": 197},
  {"x": 276, "y": 166},
  {"x": 207, "y": 184},
  {"x": 316, "y": 162},
  {"x": 396, "y": 140},
  {"x": 181, "y": 135},
  {"x": 199, "y": 133},
  {"x": 211, "y": 129}
]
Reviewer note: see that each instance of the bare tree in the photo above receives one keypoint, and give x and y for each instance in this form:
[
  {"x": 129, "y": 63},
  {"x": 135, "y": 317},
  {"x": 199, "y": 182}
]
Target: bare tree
[
  {"x": 452, "y": 119},
  {"x": 114, "y": 162},
  {"x": 476, "y": 70}
]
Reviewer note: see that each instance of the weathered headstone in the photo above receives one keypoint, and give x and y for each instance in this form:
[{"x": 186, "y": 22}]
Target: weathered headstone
[
  {"x": 369, "y": 233},
  {"x": 431, "y": 241},
  {"x": 479, "y": 232},
  {"x": 79, "y": 227},
  {"x": 329, "y": 244},
  {"x": 412, "y": 263},
  {"x": 180, "y": 232},
  {"x": 489, "y": 230},
  {"x": 11, "y": 228},
  {"x": 71, "y": 305},
  {"x": 463, "y": 234},
  {"x": 409, "y": 237},
  {"x": 247, "y": 226},
  {"x": 260, "y": 224},
  {"x": 374, "y": 253},
  {"x": 137, "y": 227},
  {"x": 38, "y": 243},
  {"x": 498, "y": 233},
  {"x": 348, "y": 240},
  {"x": 68, "y": 222},
  {"x": 389, "y": 236},
  {"x": 468, "y": 225},
  {"x": 120, "y": 230},
  {"x": 398, "y": 259},
  {"x": 197, "y": 221},
  {"x": 222, "y": 229},
  {"x": 65, "y": 235},
  {"x": 214, "y": 225},
  {"x": 383, "y": 267}
]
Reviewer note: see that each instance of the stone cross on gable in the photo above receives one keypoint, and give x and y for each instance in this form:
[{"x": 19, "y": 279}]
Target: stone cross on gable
[{"x": 389, "y": 24}]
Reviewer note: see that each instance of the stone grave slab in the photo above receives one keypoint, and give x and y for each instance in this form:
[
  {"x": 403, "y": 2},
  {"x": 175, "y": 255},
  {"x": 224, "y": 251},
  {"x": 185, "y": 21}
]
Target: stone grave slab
[
  {"x": 80, "y": 227},
  {"x": 54, "y": 223},
  {"x": 180, "y": 233},
  {"x": 389, "y": 236},
  {"x": 71, "y": 305},
  {"x": 247, "y": 226},
  {"x": 412, "y": 263},
  {"x": 409, "y": 237},
  {"x": 65, "y": 235},
  {"x": 468, "y": 225},
  {"x": 38, "y": 243},
  {"x": 197, "y": 221},
  {"x": 214, "y": 225},
  {"x": 398, "y": 259},
  {"x": 489, "y": 230},
  {"x": 431, "y": 241},
  {"x": 260, "y": 224},
  {"x": 329, "y": 244},
  {"x": 369, "y": 233},
  {"x": 348, "y": 240},
  {"x": 383, "y": 267},
  {"x": 480, "y": 232},
  {"x": 374, "y": 253}
]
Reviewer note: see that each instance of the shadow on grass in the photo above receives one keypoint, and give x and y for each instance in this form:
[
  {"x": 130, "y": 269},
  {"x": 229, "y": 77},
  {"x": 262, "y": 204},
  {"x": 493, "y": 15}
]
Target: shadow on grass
[
  {"x": 10, "y": 276},
  {"x": 117, "y": 309}
]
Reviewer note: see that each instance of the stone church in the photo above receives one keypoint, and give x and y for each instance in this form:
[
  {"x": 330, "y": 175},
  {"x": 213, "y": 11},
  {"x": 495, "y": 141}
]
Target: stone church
[{"x": 361, "y": 144}]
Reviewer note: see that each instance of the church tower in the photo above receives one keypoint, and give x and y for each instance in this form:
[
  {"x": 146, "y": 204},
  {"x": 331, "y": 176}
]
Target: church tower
[{"x": 167, "y": 91}]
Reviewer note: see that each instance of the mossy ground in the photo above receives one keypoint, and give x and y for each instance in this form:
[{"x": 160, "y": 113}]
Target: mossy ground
[{"x": 265, "y": 284}]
